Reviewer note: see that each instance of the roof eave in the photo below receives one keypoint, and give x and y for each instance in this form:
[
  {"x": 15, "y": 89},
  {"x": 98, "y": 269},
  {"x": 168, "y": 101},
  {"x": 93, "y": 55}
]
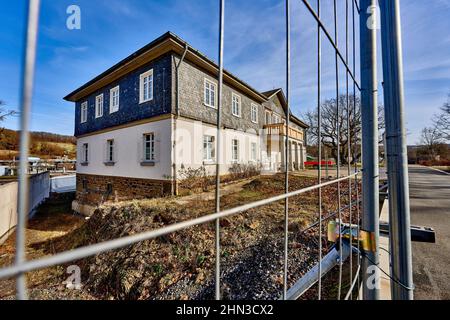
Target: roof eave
[{"x": 164, "y": 44}]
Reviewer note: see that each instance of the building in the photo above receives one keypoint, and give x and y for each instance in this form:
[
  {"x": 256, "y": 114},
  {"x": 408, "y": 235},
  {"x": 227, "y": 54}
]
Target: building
[{"x": 155, "y": 112}]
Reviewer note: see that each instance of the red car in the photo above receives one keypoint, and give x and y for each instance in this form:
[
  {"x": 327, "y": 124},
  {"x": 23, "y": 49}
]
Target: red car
[{"x": 329, "y": 163}]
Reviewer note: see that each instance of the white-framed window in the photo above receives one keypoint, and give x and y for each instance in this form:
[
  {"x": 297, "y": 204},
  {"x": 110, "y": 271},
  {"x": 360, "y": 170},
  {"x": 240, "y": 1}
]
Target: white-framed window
[
  {"x": 99, "y": 106},
  {"x": 210, "y": 94},
  {"x": 236, "y": 105},
  {"x": 254, "y": 151},
  {"x": 110, "y": 150},
  {"x": 149, "y": 147},
  {"x": 268, "y": 117},
  {"x": 276, "y": 118},
  {"x": 114, "y": 99},
  {"x": 85, "y": 151},
  {"x": 235, "y": 150},
  {"x": 84, "y": 111},
  {"x": 254, "y": 113},
  {"x": 146, "y": 86},
  {"x": 209, "y": 151}
]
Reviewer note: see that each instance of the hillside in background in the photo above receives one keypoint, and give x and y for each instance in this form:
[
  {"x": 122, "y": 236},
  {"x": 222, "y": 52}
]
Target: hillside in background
[{"x": 43, "y": 144}]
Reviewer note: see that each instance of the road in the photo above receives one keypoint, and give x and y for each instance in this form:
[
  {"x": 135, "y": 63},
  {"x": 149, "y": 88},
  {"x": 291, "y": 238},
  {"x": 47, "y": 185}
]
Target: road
[{"x": 430, "y": 206}]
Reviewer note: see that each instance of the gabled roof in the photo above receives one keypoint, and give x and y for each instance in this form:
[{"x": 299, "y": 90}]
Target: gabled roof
[
  {"x": 279, "y": 92},
  {"x": 271, "y": 93},
  {"x": 168, "y": 42}
]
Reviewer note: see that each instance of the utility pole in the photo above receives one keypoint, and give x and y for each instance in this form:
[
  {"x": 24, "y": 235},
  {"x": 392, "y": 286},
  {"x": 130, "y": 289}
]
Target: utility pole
[
  {"x": 397, "y": 161},
  {"x": 369, "y": 110}
]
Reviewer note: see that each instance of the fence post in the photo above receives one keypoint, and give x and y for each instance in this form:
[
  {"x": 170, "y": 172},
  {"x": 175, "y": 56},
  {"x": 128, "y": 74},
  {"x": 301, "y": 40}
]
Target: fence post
[
  {"x": 399, "y": 211},
  {"x": 219, "y": 145},
  {"x": 369, "y": 114}
]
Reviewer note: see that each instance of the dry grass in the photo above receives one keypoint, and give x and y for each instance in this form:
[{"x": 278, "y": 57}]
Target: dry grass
[{"x": 52, "y": 221}]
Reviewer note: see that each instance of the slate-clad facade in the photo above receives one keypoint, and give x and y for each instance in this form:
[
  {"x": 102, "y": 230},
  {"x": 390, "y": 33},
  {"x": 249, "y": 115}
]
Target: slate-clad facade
[{"x": 129, "y": 107}]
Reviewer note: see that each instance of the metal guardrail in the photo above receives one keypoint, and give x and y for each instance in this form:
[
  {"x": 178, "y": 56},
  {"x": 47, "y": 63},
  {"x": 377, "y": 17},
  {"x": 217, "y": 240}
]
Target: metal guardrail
[{"x": 21, "y": 266}]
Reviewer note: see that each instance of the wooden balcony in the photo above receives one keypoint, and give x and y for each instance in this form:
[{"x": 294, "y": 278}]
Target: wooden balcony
[{"x": 280, "y": 129}]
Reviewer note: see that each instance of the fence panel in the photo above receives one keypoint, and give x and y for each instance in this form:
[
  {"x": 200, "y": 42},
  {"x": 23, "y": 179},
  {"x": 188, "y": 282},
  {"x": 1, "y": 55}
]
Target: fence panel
[{"x": 21, "y": 266}]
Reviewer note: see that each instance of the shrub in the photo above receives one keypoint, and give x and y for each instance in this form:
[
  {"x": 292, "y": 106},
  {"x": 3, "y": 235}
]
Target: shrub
[
  {"x": 192, "y": 178},
  {"x": 243, "y": 171}
]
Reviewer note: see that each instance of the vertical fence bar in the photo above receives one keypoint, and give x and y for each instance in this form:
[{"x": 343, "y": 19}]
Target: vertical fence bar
[
  {"x": 319, "y": 144},
  {"x": 29, "y": 61},
  {"x": 287, "y": 151},
  {"x": 369, "y": 114},
  {"x": 349, "y": 142},
  {"x": 219, "y": 144},
  {"x": 338, "y": 161},
  {"x": 355, "y": 148},
  {"x": 399, "y": 211}
]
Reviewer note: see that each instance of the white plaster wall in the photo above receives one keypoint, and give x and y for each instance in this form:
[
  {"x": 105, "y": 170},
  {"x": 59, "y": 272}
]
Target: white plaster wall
[
  {"x": 188, "y": 135},
  {"x": 39, "y": 187},
  {"x": 189, "y": 145},
  {"x": 8, "y": 209},
  {"x": 129, "y": 151}
]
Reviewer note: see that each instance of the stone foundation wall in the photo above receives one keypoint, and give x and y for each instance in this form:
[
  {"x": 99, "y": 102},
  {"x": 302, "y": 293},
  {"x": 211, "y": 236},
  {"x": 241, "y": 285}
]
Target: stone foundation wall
[{"x": 95, "y": 189}]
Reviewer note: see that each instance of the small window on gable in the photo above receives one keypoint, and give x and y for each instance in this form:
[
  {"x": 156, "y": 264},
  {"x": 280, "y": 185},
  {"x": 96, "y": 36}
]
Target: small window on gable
[
  {"x": 210, "y": 94},
  {"x": 236, "y": 105},
  {"x": 276, "y": 118},
  {"x": 99, "y": 106},
  {"x": 254, "y": 113},
  {"x": 268, "y": 117},
  {"x": 146, "y": 86},
  {"x": 84, "y": 107},
  {"x": 114, "y": 98}
]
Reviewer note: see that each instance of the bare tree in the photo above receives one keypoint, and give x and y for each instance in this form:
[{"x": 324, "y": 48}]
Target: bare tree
[
  {"x": 5, "y": 113},
  {"x": 330, "y": 121},
  {"x": 442, "y": 121},
  {"x": 431, "y": 138}
]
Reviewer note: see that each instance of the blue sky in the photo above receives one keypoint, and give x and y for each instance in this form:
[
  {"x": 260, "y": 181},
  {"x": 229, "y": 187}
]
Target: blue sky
[{"x": 254, "y": 50}]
